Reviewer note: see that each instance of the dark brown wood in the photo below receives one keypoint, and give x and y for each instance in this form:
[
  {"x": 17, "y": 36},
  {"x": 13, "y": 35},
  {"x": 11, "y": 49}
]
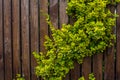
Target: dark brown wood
[
  {"x": 109, "y": 64},
  {"x": 62, "y": 12},
  {"x": 7, "y": 40},
  {"x": 118, "y": 45},
  {"x": 75, "y": 73},
  {"x": 1, "y": 43},
  {"x": 23, "y": 32},
  {"x": 25, "y": 38},
  {"x": 109, "y": 59},
  {"x": 97, "y": 66},
  {"x": 54, "y": 7},
  {"x": 16, "y": 37},
  {"x": 67, "y": 77},
  {"x": 43, "y": 5},
  {"x": 86, "y": 67},
  {"x": 43, "y": 23},
  {"x": 34, "y": 34}
]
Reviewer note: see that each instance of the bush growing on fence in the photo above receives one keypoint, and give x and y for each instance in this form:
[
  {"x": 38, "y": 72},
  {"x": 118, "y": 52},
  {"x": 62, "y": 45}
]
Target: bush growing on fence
[
  {"x": 90, "y": 34},
  {"x": 19, "y": 77},
  {"x": 91, "y": 77}
]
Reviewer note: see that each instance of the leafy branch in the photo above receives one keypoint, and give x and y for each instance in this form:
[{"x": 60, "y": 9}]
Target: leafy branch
[{"x": 90, "y": 34}]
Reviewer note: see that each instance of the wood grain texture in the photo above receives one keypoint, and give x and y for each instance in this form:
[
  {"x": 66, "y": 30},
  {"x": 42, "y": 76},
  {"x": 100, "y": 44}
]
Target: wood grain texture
[
  {"x": 54, "y": 9},
  {"x": 109, "y": 59},
  {"x": 23, "y": 28},
  {"x": 7, "y": 40},
  {"x": 109, "y": 64},
  {"x": 86, "y": 67},
  {"x": 25, "y": 38},
  {"x": 16, "y": 37},
  {"x": 43, "y": 5},
  {"x": 1, "y": 43},
  {"x": 118, "y": 45},
  {"x": 75, "y": 73},
  {"x": 97, "y": 66},
  {"x": 43, "y": 24},
  {"x": 62, "y": 12},
  {"x": 34, "y": 36}
]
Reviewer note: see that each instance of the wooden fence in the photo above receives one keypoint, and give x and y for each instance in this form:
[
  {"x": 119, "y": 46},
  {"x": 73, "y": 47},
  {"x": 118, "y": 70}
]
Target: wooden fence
[{"x": 22, "y": 31}]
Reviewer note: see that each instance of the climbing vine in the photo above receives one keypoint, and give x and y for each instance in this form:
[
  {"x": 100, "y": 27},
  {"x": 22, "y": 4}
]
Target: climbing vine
[{"x": 90, "y": 34}]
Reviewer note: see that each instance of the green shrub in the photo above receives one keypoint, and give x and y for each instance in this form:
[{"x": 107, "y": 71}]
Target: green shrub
[
  {"x": 91, "y": 77},
  {"x": 90, "y": 34},
  {"x": 19, "y": 77}
]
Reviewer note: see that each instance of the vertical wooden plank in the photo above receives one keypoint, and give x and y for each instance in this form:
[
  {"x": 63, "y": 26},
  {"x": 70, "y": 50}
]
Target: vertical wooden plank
[
  {"x": 109, "y": 64},
  {"x": 1, "y": 42},
  {"x": 97, "y": 66},
  {"x": 54, "y": 4},
  {"x": 34, "y": 34},
  {"x": 75, "y": 73},
  {"x": 109, "y": 59},
  {"x": 43, "y": 5},
  {"x": 16, "y": 37},
  {"x": 63, "y": 19},
  {"x": 62, "y": 12},
  {"x": 7, "y": 40},
  {"x": 43, "y": 24},
  {"x": 86, "y": 67},
  {"x": 25, "y": 38},
  {"x": 118, "y": 45}
]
